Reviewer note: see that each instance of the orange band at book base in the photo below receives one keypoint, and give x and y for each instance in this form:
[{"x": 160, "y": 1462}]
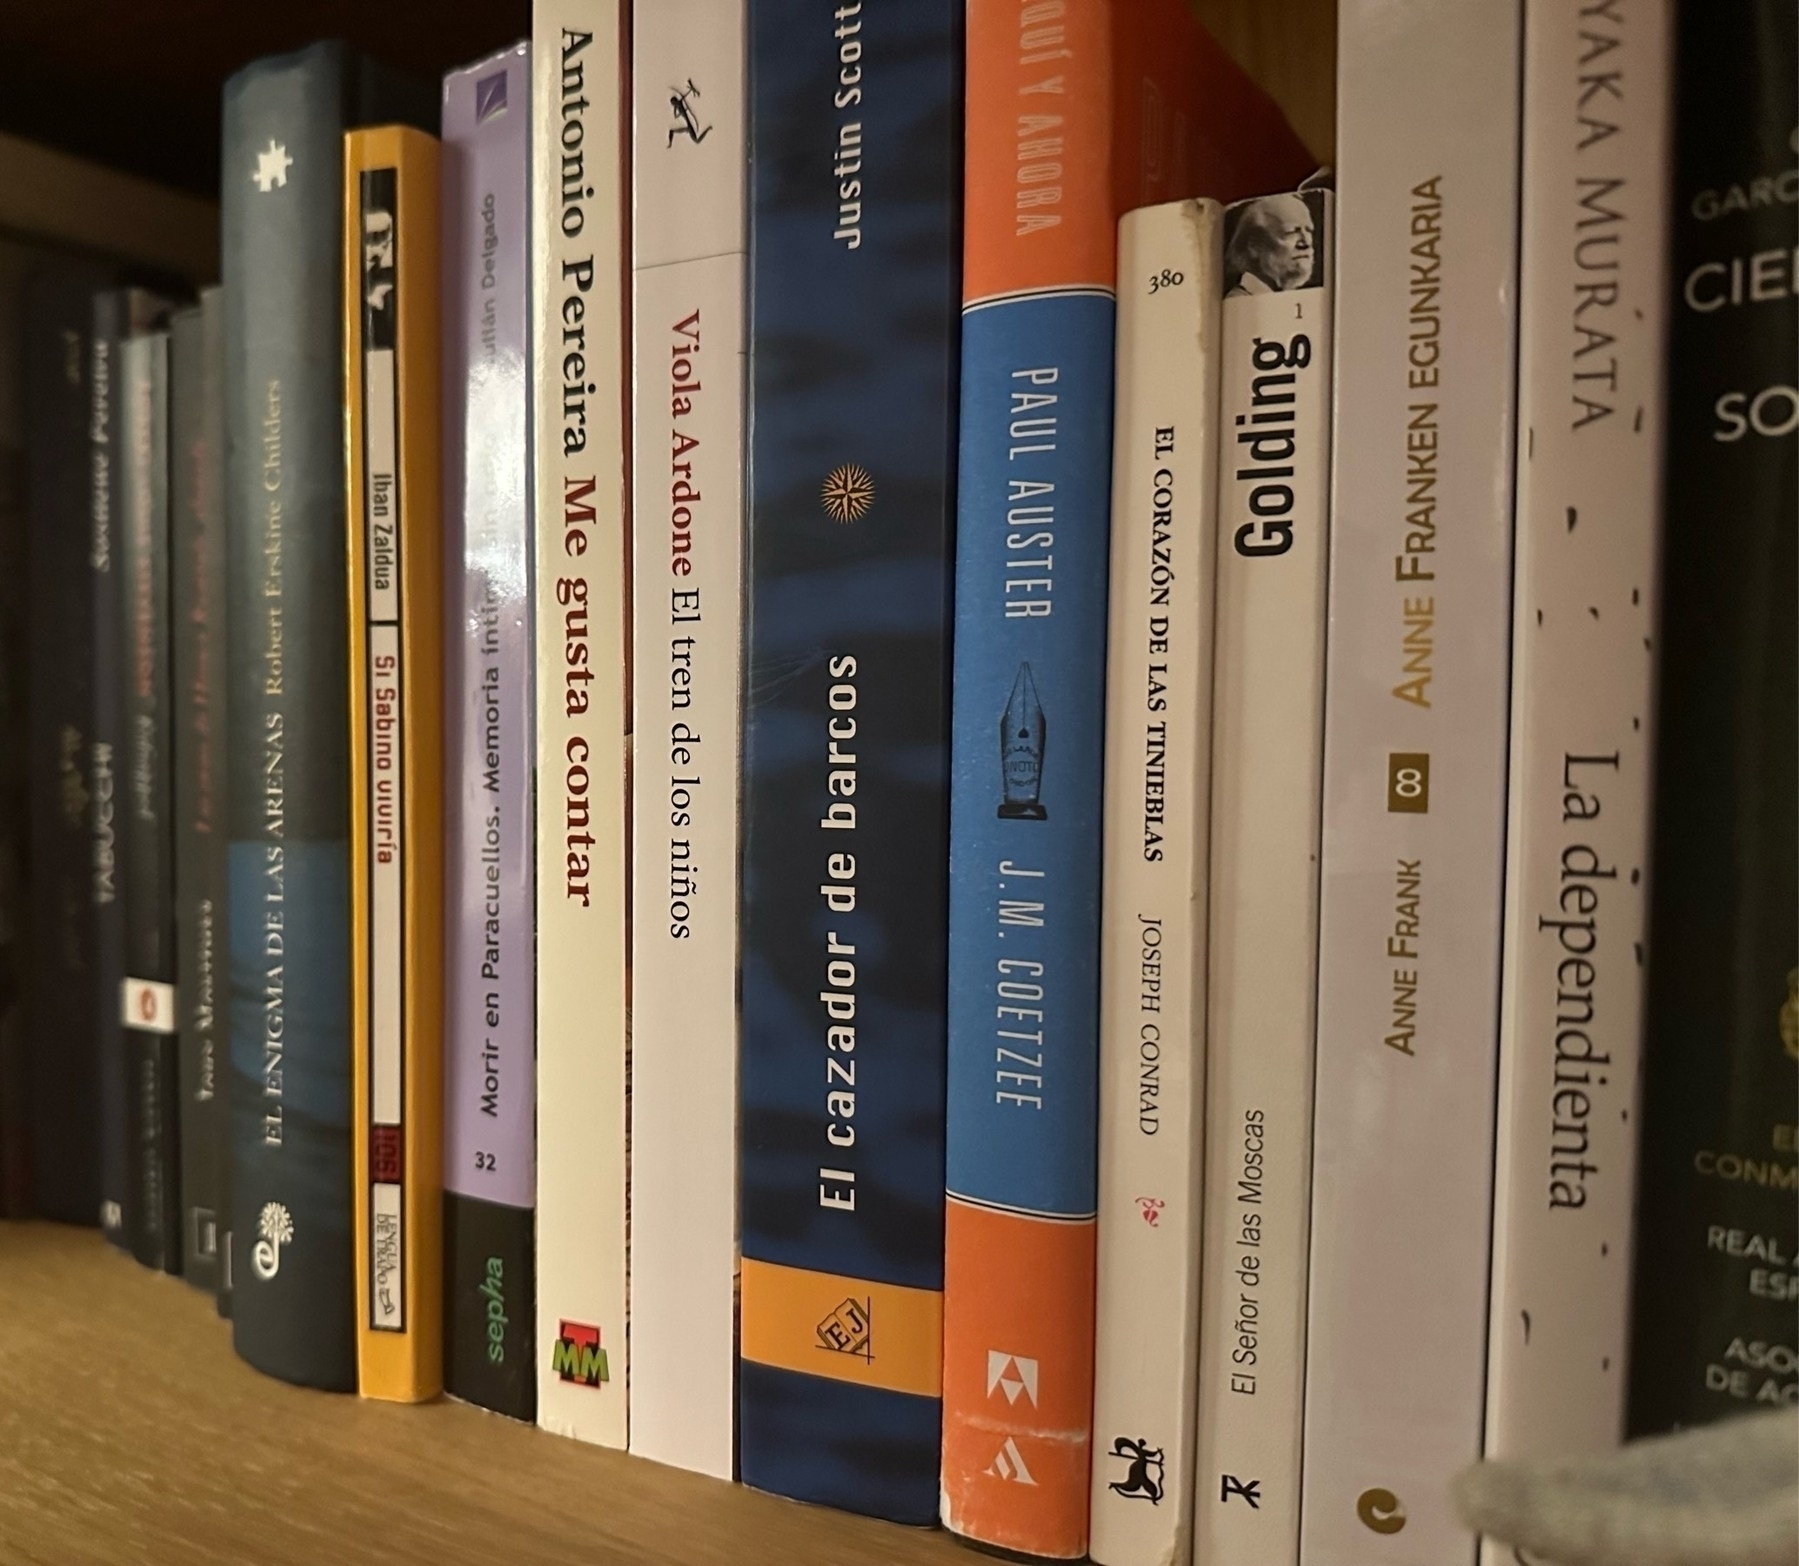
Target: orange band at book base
[
  {"x": 801, "y": 1311},
  {"x": 1026, "y": 1285}
]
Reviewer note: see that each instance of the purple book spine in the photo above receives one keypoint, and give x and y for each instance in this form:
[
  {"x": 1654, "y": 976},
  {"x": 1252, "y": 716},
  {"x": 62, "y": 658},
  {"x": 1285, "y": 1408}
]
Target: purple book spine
[{"x": 490, "y": 1143}]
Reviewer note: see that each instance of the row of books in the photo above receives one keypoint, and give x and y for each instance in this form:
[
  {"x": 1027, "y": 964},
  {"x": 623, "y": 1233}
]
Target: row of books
[{"x": 533, "y": 900}]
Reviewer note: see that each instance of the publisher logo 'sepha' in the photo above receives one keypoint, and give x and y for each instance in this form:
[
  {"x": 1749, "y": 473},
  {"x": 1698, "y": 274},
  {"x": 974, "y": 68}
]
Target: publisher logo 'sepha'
[{"x": 493, "y": 1293}]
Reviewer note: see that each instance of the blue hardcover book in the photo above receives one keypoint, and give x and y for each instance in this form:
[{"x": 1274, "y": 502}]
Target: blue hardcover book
[{"x": 855, "y": 129}]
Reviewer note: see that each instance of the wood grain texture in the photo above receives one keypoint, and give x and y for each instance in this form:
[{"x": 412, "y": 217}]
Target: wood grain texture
[
  {"x": 1290, "y": 47},
  {"x": 131, "y": 1435}
]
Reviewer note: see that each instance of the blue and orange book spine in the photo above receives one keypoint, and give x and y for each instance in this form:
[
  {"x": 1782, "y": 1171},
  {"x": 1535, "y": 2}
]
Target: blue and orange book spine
[
  {"x": 1072, "y": 120},
  {"x": 855, "y": 202}
]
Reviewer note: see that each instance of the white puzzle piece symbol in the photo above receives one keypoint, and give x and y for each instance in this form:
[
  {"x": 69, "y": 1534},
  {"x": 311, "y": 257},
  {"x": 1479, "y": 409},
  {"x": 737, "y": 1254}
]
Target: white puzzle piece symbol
[{"x": 272, "y": 164}]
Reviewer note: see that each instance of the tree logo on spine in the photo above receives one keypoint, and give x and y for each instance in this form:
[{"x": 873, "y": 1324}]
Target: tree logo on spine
[{"x": 274, "y": 1229}]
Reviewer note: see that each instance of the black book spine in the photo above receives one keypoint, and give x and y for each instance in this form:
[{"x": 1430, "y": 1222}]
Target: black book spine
[
  {"x": 1718, "y": 1210},
  {"x": 116, "y": 314},
  {"x": 197, "y": 603},
  {"x": 64, "y": 1052},
  {"x": 143, "y": 819},
  {"x": 15, "y": 916},
  {"x": 288, "y": 782}
]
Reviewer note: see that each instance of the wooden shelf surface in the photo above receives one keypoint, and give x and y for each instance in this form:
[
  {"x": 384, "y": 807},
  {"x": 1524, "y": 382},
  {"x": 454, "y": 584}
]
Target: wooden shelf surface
[{"x": 131, "y": 1435}]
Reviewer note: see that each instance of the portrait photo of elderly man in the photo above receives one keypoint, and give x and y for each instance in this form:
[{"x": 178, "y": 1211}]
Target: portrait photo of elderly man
[{"x": 1272, "y": 246}]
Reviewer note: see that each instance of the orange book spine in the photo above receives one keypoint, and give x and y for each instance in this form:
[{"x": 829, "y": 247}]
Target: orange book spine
[
  {"x": 391, "y": 358},
  {"x": 1071, "y": 119}
]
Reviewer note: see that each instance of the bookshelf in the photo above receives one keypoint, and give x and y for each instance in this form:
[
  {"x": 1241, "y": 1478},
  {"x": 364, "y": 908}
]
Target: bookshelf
[
  {"x": 1290, "y": 47},
  {"x": 129, "y": 1431},
  {"x": 136, "y": 87}
]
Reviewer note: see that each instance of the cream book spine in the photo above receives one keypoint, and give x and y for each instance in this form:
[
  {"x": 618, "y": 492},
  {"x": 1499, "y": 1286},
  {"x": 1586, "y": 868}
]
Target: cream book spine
[
  {"x": 581, "y": 510},
  {"x": 1153, "y": 880},
  {"x": 687, "y": 584},
  {"x": 1591, "y": 339},
  {"x": 1414, "y": 776},
  {"x": 1267, "y": 762}
]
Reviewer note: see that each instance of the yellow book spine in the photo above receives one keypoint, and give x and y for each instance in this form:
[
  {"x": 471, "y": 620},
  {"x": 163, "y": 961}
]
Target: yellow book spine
[{"x": 392, "y": 422}]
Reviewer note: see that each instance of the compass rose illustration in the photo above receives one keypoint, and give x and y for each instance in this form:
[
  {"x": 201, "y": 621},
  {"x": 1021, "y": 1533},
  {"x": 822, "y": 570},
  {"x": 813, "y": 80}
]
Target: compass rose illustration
[{"x": 848, "y": 493}]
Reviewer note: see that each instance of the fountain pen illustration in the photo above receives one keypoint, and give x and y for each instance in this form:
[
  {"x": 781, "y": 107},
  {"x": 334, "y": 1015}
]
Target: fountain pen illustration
[{"x": 1021, "y": 736}]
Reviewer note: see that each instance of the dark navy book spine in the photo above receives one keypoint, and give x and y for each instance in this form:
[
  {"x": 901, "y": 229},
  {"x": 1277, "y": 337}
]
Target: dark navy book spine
[
  {"x": 117, "y": 314},
  {"x": 288, "y": 786},
  {"x": 855, "y": 247},
  {"x": 145, "y": 830},
  {"x": 64, "y": 1049},
  {"x": 197, "y": 602},
  {"x": 16, "y": 916}
]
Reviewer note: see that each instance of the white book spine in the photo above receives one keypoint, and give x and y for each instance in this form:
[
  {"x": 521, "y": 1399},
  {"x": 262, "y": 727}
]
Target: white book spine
[
  {"x": 1152, "y": 935},
  {"x": 1414, "y": 778},
  {"x": 579, "y": 72},
  {"x": 1590, "y": 355},
  {"x": 1267, "y": 762},
  {"x": 688, "y": 342}
]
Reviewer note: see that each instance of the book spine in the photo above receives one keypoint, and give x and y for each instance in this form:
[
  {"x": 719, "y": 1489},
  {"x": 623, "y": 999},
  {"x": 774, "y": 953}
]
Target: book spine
[
  {"x": 1590, "y": 352},
  {"x": 215, "y": 945},
  {"x": 581, "y": 545},
  {"x": 111, "y": 322},
  {"x": 392, "y": 430},
  {"x": 147, "y": 999},
  {"x": 16, "y": 914},
  {"x": 490, "y": 1148},
  {"x": 16, "y": 765},
  {"x": 65, "y": 1055},
  {"x": 1026, "y": 811},
  {"x": 688, "y": 154},
  {"x": 1717, "y": 1232},
  {"x": 1267, "y": 775},
  {"x": 1153, "y": 927},
  {"x": 855, "y": 163},
  {"x": 197, "y": 604},
  {"x": 1414, "y": 778},
  {"x": 288, "y": 787}
]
